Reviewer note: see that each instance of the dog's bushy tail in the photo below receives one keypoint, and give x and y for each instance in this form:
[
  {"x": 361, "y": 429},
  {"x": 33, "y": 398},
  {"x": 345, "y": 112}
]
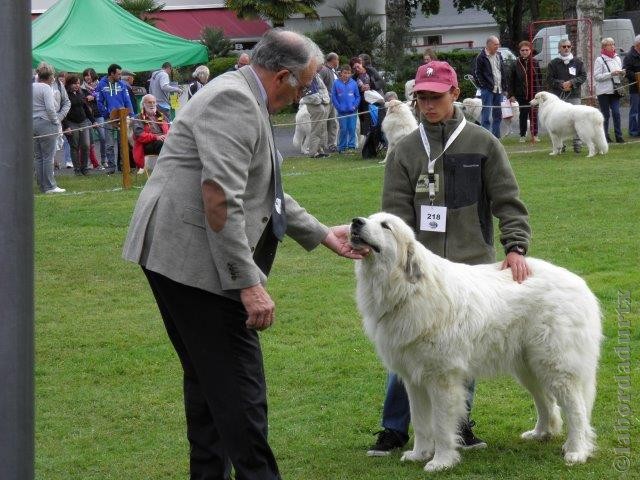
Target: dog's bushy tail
[{"x": 600, "y": 140}]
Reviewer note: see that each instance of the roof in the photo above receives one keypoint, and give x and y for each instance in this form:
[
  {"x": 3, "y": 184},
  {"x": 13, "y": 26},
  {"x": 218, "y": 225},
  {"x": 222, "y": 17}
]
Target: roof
[
  {"x": 448, "y": 17},
  {"x": 189, "y": 23},
  {"x": 75, "y": 34}
]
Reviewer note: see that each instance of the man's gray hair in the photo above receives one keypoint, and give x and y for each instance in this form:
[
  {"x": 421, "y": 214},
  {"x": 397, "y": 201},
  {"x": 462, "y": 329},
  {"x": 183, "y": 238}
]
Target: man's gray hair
[
  {"x": 331, "y": 57},
  {"x": 637, "y": 39},
  {"x": 285, "y": 50}
]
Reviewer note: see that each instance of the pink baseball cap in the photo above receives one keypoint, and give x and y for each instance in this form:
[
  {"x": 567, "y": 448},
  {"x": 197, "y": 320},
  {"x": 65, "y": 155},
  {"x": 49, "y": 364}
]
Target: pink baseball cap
[{"x": 436, "y": 77}]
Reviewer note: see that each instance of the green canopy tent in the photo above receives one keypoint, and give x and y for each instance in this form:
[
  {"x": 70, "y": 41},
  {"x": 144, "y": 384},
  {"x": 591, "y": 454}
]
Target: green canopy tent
[{"x": 76, "y": 34}]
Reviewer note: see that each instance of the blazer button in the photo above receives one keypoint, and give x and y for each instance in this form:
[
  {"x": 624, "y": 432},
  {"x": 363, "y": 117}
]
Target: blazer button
[{"x": 265, "y": 219}]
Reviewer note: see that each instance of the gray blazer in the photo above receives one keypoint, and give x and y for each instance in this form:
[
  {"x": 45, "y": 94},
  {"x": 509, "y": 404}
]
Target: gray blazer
[{"x": 222, "y": 135}]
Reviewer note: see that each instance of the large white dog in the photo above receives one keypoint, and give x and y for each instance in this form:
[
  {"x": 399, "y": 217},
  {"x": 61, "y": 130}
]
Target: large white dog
[
  {"x": 564, "y": 121},
  {"x": 397, "y": 124},
  {"x": 472, "y": 107},
  {"x": 438, "y": 324},
  {"x": 303, "y": 129}
]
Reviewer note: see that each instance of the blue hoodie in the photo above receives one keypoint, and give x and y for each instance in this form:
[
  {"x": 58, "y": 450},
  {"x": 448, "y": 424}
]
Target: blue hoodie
[
  {"x": 110, "y": 96},
  {"x": 345, "y": 96}
]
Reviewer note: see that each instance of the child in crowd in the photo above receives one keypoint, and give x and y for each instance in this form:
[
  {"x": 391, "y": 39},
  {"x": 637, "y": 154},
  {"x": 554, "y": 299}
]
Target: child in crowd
[{"x": 346, "y": 97}]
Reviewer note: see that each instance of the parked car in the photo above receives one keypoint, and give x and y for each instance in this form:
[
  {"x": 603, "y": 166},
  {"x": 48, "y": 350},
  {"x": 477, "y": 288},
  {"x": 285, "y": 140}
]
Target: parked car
[{"x": 545, "y": 42}]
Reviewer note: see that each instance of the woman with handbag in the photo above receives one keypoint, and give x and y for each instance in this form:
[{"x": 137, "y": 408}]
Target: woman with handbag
[
  {"x": 525, "y": 80},
  {"x": 608, "y": 75}
]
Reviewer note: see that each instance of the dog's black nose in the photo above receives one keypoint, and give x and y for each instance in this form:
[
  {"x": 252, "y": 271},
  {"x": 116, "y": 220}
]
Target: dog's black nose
[{"x": 357, "y": 222}]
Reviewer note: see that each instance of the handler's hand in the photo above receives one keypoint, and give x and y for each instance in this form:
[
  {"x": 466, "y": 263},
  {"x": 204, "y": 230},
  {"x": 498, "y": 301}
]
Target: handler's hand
[
  {"x": 259, "y": 306},
  {"x": 338, "y": 240},
  {"x": 518, "y": 265}
]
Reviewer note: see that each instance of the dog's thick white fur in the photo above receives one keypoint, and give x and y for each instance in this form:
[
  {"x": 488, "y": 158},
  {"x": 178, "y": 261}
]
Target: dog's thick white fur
[
  {"x": 565, "y": 121},
  {"x": 438, "y": 324},
  {"x": 303, "y": 129},
  {"x": 472, "y": 107},
  {"x": 397, "y": 124}
]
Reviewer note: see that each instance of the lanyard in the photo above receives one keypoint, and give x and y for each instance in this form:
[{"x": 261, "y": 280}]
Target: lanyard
[{"x": 431, "y": 164}]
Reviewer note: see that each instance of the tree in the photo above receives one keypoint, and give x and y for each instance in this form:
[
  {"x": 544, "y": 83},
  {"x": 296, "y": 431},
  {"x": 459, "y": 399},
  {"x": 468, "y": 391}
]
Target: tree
[
  {"x": 357, "y": 32},
  {"x": 508, "y": 14},
  {"x": 217, "y": 44},
  {"x": 398, "y": 35},
  {"x": 143, "y": 9},
  {"x": 277, "y": 11}
]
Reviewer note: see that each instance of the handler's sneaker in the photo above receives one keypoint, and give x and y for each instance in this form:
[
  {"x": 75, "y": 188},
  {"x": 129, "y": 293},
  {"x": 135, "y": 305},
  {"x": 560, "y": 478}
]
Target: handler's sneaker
[
  {"x": 468, "y": 441},
  {"x": 388, "y": 441}
]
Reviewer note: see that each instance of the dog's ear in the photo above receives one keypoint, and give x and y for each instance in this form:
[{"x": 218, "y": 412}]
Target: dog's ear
[{"x": 411, "y": 266}]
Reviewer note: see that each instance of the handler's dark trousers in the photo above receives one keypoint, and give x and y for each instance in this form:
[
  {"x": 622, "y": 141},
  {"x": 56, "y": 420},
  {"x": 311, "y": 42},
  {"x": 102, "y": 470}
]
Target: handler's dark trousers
[{"x": 224, "y": 384}]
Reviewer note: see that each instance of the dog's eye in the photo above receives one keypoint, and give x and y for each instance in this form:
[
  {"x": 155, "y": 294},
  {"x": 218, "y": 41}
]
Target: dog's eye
[{"x": 385, "y": 225}]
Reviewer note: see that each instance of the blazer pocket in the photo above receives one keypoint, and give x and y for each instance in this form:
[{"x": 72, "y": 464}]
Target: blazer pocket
[{"x": 193, "y": 216}]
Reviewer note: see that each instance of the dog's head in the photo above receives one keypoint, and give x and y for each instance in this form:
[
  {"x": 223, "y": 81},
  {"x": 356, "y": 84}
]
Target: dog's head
[
  {"x": 393, "y": 106},
  {"x": 392, "y": 243},
  {"x": 542, "y": 97}
]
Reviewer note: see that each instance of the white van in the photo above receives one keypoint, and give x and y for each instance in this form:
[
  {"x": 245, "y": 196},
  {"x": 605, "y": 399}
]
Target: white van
[{"x": 545, "y": 43}]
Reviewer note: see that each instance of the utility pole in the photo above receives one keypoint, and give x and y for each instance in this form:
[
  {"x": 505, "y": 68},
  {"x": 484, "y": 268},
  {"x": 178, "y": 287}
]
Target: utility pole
[{"x": 16, "y": 244}]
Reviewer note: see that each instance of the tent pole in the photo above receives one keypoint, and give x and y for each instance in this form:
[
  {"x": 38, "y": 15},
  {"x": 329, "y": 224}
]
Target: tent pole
[{"x": 16, "y": 245}]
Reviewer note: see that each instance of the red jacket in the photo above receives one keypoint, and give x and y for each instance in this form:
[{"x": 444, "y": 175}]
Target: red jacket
[{"x": 145, "y": 132}]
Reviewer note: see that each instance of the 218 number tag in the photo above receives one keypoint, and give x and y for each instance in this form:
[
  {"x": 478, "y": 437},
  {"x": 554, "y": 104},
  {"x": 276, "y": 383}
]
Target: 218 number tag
[{"x": 433, "y": 219}]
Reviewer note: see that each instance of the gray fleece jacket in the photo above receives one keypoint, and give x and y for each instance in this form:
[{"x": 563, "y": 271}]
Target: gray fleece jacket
[{"x": 475, "y": 183}]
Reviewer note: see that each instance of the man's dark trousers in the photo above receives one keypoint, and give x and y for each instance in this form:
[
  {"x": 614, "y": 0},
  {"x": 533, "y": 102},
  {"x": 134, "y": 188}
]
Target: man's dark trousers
[{"x": 224, "y": 384}]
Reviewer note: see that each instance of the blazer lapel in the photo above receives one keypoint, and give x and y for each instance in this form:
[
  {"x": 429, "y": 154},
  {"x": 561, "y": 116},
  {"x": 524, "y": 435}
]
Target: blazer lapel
[{"x": 250, "y": 78}]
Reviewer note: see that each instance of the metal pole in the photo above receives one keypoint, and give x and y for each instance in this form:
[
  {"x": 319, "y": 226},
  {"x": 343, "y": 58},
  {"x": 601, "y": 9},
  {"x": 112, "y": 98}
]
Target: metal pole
[{"x": 16, "y": 245}]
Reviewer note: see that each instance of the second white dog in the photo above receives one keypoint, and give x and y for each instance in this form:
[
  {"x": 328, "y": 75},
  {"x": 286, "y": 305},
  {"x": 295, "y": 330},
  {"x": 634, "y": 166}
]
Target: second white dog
[
  {"x": 397, "y": 124},
  {"x": 564, "y": 121}
]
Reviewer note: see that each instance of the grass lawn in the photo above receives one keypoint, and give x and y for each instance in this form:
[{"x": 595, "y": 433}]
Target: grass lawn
[{"x": 108, "y": 384}]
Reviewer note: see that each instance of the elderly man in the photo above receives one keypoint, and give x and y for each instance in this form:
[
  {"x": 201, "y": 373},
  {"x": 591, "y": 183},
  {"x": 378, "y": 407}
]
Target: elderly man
[
  {"x": 243, "y": 60},
  {"x": 631, "y": 65},
  {"x": 205, "y": 231},
  {"x": 150, "y": 130},
  {"x": 489, "y": 71}
]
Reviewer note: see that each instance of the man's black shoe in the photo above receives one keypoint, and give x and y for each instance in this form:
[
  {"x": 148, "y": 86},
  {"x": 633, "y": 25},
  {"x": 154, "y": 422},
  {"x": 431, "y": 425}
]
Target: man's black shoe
[
  {"x": 468, "y": 441},
  {"x": 388, "y": 441}
]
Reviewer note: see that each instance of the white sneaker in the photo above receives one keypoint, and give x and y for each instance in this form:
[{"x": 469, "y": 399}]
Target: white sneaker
[
  {"x": 523, "y": 139},
  {"x": 68, "y": 165},
  {"x": 536, "y": 139},
  {"x": 55, "y": 190},
  {"x": 140, "y": 171}
]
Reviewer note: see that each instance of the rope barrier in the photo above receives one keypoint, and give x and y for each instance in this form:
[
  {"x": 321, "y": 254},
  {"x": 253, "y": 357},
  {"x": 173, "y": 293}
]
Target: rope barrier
[
  {"x": 96, "y": 125},
  {"x": 277, "y": 125}
]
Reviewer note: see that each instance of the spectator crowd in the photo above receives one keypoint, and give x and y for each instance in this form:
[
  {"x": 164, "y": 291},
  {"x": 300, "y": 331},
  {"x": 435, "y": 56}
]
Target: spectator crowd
[{"x": 72, "y": 112}]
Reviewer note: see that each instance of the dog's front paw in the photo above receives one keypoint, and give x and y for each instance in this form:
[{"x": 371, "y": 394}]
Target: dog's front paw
[
  {"x": 536, "y": 435},
  {"x": 442, "y": 461},
  {"x": 572, "y": 458},
  {"x": 416, "y": 456}
]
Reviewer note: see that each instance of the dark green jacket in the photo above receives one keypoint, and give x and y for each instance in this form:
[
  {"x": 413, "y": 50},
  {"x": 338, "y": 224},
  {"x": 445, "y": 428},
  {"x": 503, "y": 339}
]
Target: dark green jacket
[{"x": 476, "y": 183}]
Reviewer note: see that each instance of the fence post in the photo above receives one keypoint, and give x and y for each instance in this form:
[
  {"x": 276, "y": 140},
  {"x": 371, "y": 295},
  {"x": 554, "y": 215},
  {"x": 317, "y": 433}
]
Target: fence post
[
  {"x": 16, "y": 245},
  {"x": 124, "y": 145}
]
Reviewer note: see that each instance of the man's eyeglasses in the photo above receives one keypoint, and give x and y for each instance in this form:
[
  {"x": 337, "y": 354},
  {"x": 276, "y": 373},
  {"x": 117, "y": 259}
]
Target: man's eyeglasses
[
  {"x": 303, "y": 90},
  {"x": 565, "y": 46}
]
